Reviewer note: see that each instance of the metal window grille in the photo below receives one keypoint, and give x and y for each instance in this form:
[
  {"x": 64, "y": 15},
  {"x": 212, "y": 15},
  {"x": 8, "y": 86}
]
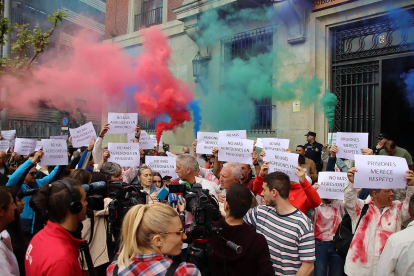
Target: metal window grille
[
  {"x": 245, "y": 45},
  {"x": 151, "y": 15},
  {"x": 146, "y": 124}
]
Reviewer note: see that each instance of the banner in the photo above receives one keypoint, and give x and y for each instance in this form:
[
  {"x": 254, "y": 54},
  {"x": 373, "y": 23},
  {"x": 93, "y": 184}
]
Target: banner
[
  {"x": 162, "y": 164},
  {"x": 380, "y": 172},
  {"x": 122, "y": 122},
  {"x": 25, "y": 146},
  {"x": 332, "y": 185},
  {"x": 82, "y": 135},
  {"x": 275, "y": 144},
  {"x": 124, "y": 154},
  {"x": 350, "y": 144},
  {"x": 206, "y": 141},
  {"x": 240, "y": 134},
  {"x": 235, "y": 150},
  {"x": 55, "y": 152},
  {"x": 282, "y": 162},
  {"x": 8, "y": 134}
]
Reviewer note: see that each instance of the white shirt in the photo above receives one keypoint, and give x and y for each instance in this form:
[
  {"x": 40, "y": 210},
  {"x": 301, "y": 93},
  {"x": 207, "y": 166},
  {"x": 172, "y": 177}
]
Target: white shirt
[
  {"x": 397, "y": 258},
  {"x": 8, "y": 262}
]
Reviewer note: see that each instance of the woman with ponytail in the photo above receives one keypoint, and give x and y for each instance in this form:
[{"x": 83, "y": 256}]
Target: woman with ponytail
[
  {"x": 8, "y": 262},
  {"x": 149, "y": 232}
]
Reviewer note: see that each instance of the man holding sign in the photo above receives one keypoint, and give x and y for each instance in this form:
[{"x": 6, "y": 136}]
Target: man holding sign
[{"x": 383, "y": 218}]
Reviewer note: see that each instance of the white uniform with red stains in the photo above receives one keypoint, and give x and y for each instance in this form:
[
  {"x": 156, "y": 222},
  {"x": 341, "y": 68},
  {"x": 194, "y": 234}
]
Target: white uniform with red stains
[
  {"x": 327, "y": 219},
  {"x": 373, "y": 230}
]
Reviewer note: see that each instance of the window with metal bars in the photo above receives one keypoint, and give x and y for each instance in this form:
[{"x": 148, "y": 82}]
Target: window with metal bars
[
  {"x": 146, "y": 124},
  {"x": 244, "y": 46}
]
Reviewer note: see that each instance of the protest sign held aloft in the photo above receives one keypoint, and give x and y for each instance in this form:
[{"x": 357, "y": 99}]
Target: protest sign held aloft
[
  {"x": 125, "y": 154},
  {"x": 38, "y": 145},
  {"x": 282, "y": 162},
  {"x": 240, "y": 134},
  {"x": 206, "y": 141},
  {"x": 8, "y": 134},
  {"x": 380, "y": 172},
  {"x": 350, "y": 144},
  {"x": 4, "y": 145},
  {"x": 55, "y": 152},
  {"x": 122, "y": 122},
  {"x": 162, "y": 164},
  {"x": 82, "y": 135},
  {"x": 154, "y": 140},
  {"x": 235, "y": 150},
  {"x": 331, "y": 139},
  {"x": 25, "y": 146},
  {"x": 275, "y": 144},
  {"x": 332, "y": 184},
  {"x": 59, "y": 137},
  {"x": 145, "y": 140}
]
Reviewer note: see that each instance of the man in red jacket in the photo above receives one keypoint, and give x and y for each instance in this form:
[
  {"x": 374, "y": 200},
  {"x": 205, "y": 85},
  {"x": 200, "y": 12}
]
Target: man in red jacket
[{"x": 55, "y": 249}]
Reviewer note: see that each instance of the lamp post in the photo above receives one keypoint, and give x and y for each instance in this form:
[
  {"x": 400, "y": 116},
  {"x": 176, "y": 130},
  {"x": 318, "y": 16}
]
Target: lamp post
[{"x": 199, "y": 67}]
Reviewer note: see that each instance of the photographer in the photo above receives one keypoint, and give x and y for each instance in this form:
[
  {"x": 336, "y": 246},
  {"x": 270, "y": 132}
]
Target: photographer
[
  {"x": 55, "y": 249},
  {"x": 149, "y": 232},
  {"x": 254, "y": 259}
]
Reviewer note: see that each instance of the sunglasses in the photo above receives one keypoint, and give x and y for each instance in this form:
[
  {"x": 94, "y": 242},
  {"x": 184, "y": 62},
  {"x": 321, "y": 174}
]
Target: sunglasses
[{"x": 179, "y": 233}]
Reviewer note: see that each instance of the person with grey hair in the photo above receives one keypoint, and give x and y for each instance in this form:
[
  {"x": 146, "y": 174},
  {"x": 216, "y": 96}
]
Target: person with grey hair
[
  {"x": 187, "y": 169},
  {"x": 112, "y": 171},
  {"x": 396, "y": 258}
]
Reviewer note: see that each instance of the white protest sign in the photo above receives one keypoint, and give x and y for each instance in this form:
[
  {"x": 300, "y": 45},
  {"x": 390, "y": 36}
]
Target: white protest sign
[
  {"x": 331, "y": 139},
  {"x": 154, "y": 140},
  {"x": 55, "y": 152},
  {"x": 235, "y": 150},
  {"x": 206, "y": 141},
  {"x": 350, "y": 144},
  {"x": 169, "y": 154},
  {"x": 282, "y": 162},
  {"x": 275, "y": 144},
  {"x": 8, "y": 134},
  {"x": 131, "y": 137},
  {"x": 332, "y": 184},
  {"x": 259, "y": 143},
  {"x": 38, "y": 145},
  {"x": 25, "y": 146},
  {"x": 124, "y": 154},
  {"x": 59, "y": 137},
  {"x": 240, "y": 134},
  {"x": 145, "y": 140},
  {"x": 4, "y": 145},
  {"x": 380, "y": 172},
  {"x": 122, "y": 122},
  {"x": 82, "y": 135},
  {"x": 162, "y": 164}
]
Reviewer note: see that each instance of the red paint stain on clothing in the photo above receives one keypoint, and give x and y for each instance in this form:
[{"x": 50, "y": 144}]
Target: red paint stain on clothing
[
  {"x": 383, "y": 237},
  {"x": 359, "y": 238},
  {"x": 318, "y": 231},
  {"x": 335, "y": 222},
  {"x": 358, "y": 209}
]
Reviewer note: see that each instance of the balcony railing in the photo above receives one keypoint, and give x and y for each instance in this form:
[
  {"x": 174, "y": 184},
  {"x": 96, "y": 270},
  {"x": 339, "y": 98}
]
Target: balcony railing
[{"x": 148, "y": 18}]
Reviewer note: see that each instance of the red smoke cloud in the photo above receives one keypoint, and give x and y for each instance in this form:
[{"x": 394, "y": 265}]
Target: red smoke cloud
[{"x": 160, "y": 92}]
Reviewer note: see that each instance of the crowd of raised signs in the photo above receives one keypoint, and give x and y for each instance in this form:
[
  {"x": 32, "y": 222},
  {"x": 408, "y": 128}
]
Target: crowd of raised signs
[{"x": 330, "y": 208}]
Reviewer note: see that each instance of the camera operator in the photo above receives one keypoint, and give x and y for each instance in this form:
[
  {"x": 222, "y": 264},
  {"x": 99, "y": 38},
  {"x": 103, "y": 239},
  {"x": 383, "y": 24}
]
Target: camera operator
[
  {"x": 149, "y": 232},
  {"x": 254, "y": 259},
  {"x": 55, "y": 249}
]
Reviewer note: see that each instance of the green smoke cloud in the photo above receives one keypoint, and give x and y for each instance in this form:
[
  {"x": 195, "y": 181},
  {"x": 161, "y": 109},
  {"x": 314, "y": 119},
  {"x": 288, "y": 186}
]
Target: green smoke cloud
[{"x": 328, "y": 103}]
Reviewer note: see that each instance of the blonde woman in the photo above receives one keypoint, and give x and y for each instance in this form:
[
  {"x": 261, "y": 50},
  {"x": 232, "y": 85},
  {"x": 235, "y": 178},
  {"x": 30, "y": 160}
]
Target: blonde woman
[{"x": 149, "y": 232}]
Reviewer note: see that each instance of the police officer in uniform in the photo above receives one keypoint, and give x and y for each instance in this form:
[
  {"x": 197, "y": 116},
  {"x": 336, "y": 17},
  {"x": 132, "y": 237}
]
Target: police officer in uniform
[{"x": 313, "y": 150}]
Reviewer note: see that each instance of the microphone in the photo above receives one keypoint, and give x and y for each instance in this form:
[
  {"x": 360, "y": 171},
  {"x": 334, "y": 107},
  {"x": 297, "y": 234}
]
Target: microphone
[
  {"x": 180, "y": 198},
  {"x": 172, "y": 200},
  {"x": 23, "y": 193},
  {"x": 94, "y": 186},
  {"x": 175, "y": 182},
  {"x": 236, "y": 248}
]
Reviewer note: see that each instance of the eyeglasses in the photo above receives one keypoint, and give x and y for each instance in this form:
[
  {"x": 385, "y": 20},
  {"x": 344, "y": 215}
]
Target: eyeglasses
[{"x": 179, "y": 233}]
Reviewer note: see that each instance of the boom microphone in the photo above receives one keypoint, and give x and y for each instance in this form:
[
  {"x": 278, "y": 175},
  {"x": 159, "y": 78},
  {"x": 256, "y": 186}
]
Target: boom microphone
[
  {"x": 23, "y": 193},
  {"x": 94, "y": 186}
]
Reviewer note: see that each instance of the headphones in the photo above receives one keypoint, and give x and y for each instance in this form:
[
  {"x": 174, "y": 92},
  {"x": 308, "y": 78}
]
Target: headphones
[{"x": 75, "y": 206}]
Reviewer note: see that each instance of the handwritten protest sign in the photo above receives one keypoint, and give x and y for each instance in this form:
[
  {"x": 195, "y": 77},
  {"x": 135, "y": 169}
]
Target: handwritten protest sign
[
  {"x": 82, "y": 135},
  {"x": 162, "y": 164},
  {"x": 122, "y": 122},
  {"x": 125, "y": 154},
  {"x": 282, "y": 162},
  {"x": 380, "y": 172},
  {"x": 38, "y": 145},
  {"x": 240, "y": 134},
  {"x": 145, "y": 140},
  {"x": 55, "y": 152},
  {"x": 4, "y": 145},
  {"x": 332, "y": 184},
  {"x": 275, "y": 144},
  {"x": 331, "y": 139},
  {"x": 8, "y": 134},
  {"x": 259, "y": 143},
  {"x": 25, "y": 146},
  {"x": 154, "y": 140},
  {"x": 235, "y": 150},
  {"x": 350, "y": 144},
  {"x": 59, "y": 137},
  {"x": 206, "y": 141}
]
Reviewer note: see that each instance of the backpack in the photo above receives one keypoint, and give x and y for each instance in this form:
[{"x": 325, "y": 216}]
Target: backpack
[{"x": 343, "y": 236}]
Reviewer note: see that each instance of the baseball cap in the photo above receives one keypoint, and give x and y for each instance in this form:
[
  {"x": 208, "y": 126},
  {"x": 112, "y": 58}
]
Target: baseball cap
[
  {"x": 310, "y": 133},
  {"x": 383, "y": 136}
]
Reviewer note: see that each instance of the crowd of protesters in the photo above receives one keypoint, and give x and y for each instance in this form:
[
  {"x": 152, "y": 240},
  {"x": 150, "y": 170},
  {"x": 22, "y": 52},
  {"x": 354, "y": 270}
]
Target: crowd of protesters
[{"x": 282, "y": 226}]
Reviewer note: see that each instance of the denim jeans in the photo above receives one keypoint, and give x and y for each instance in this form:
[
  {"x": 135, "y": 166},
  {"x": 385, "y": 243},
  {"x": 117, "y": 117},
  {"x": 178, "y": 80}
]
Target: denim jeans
[{"x": 326, "y": 256}]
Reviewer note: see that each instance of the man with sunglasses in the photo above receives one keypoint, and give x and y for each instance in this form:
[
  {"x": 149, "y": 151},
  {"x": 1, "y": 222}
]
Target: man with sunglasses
[{"x": 382, "y": 139}]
